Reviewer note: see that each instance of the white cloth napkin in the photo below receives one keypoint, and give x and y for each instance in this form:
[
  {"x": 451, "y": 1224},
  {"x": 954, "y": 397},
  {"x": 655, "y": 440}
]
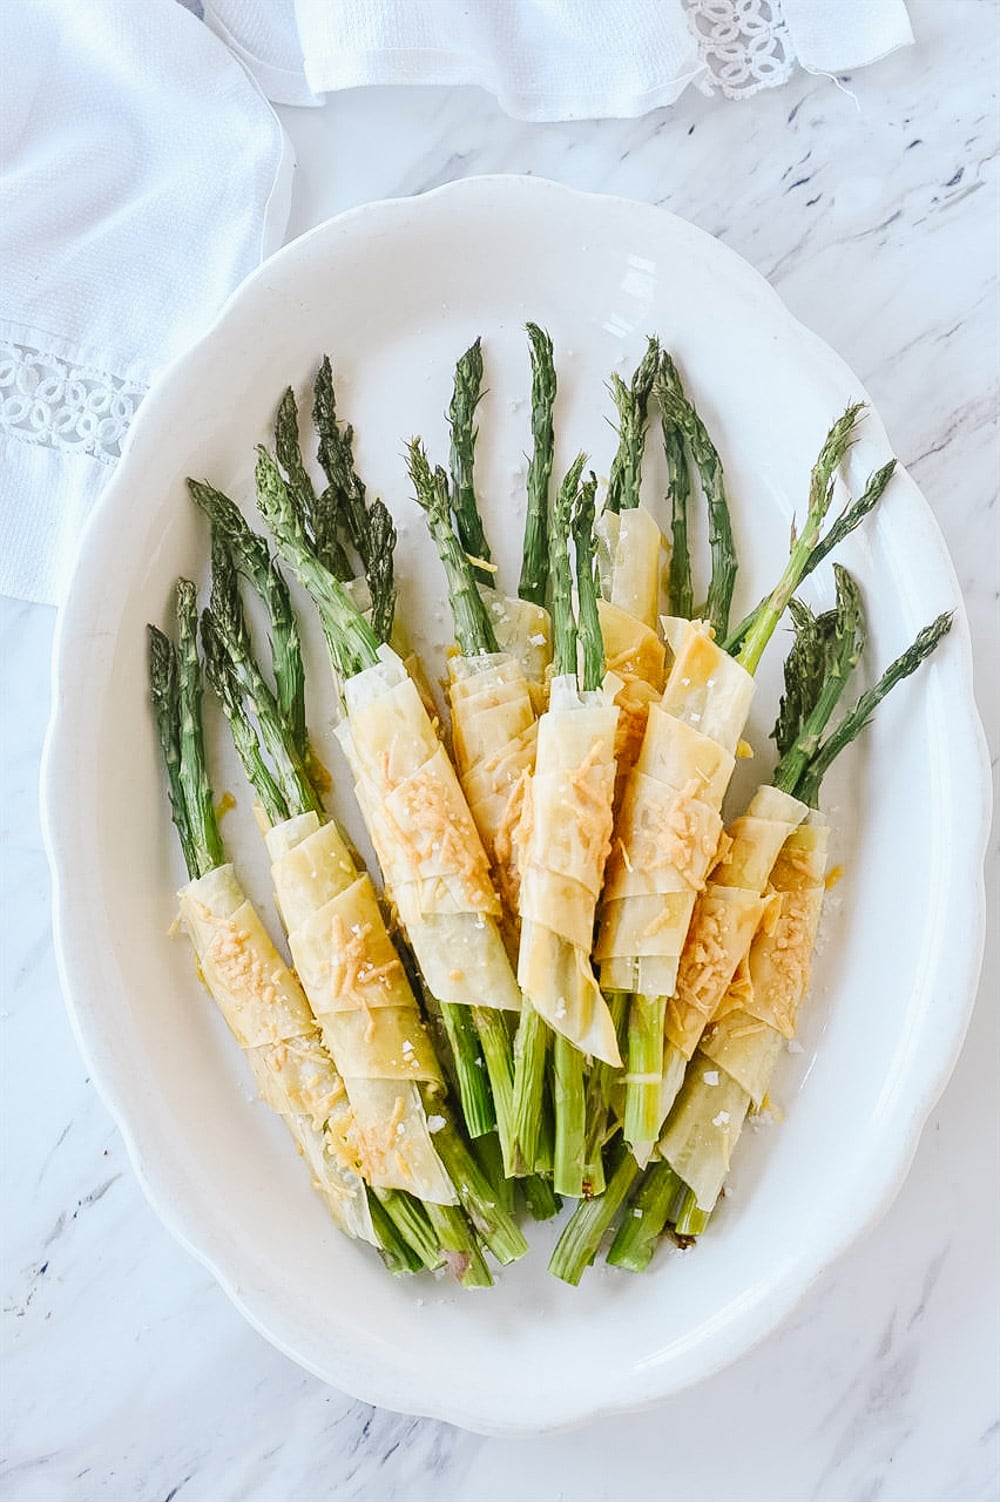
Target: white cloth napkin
[
  {"x": 142, "y": 177},
  {"x": 553, "y": 59},
  {"x": 143, "y": 174},
  {"x": 851, "y": 34}
]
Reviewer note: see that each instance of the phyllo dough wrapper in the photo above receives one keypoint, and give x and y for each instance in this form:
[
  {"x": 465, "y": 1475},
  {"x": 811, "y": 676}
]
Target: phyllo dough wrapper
[
  {"x": 436, "y": 870},
  {"x": 563, "y": 843},
  {"x": 271, "y": 1020},
  {"x": 364, "y": 1004}
]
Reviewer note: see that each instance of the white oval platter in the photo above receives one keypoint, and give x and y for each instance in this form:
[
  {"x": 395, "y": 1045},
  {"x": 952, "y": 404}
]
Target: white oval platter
[{"x": 394, "y": 291}]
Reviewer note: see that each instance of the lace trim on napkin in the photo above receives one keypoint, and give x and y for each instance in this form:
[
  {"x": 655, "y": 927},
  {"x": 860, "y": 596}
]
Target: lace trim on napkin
[
  {"x": 744, "y": 44},
  {"x": 59, "y": 404}
]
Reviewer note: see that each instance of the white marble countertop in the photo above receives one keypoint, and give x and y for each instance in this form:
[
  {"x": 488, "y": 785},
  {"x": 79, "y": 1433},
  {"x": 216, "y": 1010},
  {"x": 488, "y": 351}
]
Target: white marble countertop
[{"x": 126, "y": 1373}]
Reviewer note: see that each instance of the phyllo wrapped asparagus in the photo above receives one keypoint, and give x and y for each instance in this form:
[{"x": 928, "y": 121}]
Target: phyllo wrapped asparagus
[
  {"x": 732, "y": 1067},
  {"x": 436, "y": 871},
  {"x": 632, "y": 554},
  {"x": 564, "y": 839},
  {"x": 270, "y": 1019},
  {"x": 669, "y": 822},
  {"x": 494, "y": 737},
  {"x": 363, "y": 1002},
  {"x": 258, "y": 995},
  {"x": 359, "y": 990},
  {"x": 428, "y": 847},
  {"x": 731, "y": 1071}
]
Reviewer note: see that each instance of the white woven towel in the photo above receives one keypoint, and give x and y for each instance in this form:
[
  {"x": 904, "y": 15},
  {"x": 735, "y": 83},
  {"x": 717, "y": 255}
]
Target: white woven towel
[
  {"x": 142, "y": 177},
  {"x": 553, "y": 59},
  {"x": 143, "y": 174}
]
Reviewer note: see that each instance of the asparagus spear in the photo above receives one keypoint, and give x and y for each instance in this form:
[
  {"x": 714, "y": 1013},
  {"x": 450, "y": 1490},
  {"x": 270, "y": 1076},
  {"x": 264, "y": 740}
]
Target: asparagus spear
[
  {"x": 498, "y": 643},
  {"x": 679, "y": 412},
  {"x": 632, "y": 402},
  {"x": 466, "y": 396},
  {"x": 656, "y": 1201},
  {"x": 591, "y": 671},
  {"x": 344, "y": 513},
  {"x": 585, "y": 1230},
  {"x": 252, "y": 557},
  {"x": 771, "y": 609},
  {"x": 852, "y": 516},
  {"x": 568, "y": 823},
  {"x": 473, "y": 627},
  {"x": 534, "y": 1039},
  {"x": 534, "y": 565},
  {"x": 475, "y": 636},
  {"x": 680, "y": 589}
]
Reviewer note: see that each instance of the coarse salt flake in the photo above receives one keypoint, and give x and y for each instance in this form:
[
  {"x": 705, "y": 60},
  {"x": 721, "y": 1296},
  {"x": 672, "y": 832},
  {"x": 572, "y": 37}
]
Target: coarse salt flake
[
  {"x": 435, "y": 1123},
  {"x": 711, "y": 1076},
  {"x": 721, "y": 1120}
]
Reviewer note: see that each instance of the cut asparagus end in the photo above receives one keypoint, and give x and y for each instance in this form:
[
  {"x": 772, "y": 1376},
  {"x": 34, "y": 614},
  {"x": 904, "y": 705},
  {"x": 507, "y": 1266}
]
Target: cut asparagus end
[
  {"x": 648, "y": 1212},
  {"x": 582, "y": 1236}
]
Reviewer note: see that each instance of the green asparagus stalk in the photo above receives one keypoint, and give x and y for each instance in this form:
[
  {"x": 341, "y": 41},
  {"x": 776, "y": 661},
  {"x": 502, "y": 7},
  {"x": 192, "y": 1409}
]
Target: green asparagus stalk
[
  {"x": 164, "y": 689},
  {"x": 252, "y": 558},
  {"x": 564, "y": 626},
  {"x": 534, "y": 564},
  {"x": 466, "y": 396},
  {"x": 680, "y": 588},
  {"x": 650, "y": 1208},
  {"x": 589, "y": 627},
  {"x": 808, "y": 785},
  {"x": 680, "y": 412},
  {"x": 632, "y": 402},
  {"x": 852, "y": 516},
  {"x": 534, "y": 1040},
  {"x": 585, "y": 1230},
  {"x": 473, "y": 627},
  {"x": 771, "y": 609},
  {"x": 241, "y": 687},
  {"x": 352, "y": 642},
  {"x": 474, "y": 634},
  {"x": 397, "y": 1253},
  {"x": 343, "y": 518},
  {"x": 203, "y": 829},
  {"x": 822, "y": 695}
]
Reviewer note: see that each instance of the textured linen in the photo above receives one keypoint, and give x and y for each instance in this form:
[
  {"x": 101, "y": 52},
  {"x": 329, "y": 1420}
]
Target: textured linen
[{"x": 142, "y": 177}]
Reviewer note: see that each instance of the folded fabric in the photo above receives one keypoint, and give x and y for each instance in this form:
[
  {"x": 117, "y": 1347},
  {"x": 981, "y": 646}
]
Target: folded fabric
[
  {"x": 553, "y": 59},
  {"x": 142, "y": 176}
]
